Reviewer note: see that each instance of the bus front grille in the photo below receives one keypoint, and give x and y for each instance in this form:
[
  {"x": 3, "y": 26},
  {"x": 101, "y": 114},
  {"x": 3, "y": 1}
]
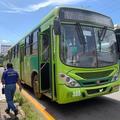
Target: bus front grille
[
  {"x": 87, "y": 83},
  {"x": 93, "y": 75}
]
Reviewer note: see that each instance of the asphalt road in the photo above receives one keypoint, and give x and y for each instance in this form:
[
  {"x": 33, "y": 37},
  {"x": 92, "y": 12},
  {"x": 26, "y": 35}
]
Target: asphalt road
[{"x": 100, "y": 108}]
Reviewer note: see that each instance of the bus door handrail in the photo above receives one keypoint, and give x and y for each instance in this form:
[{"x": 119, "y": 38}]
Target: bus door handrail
[{"x": 47, "y": 60}]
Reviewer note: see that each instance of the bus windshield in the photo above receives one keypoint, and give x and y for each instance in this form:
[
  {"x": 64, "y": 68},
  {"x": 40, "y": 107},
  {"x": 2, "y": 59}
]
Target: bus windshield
[{"x": 83, "y": 46}]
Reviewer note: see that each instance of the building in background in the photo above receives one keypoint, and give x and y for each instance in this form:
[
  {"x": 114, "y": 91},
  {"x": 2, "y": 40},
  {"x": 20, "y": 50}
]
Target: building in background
[{"x": 4, "y": 48}]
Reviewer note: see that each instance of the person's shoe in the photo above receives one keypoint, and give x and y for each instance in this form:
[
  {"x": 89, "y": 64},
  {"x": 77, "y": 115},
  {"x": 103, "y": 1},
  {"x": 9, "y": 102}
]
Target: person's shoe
[
  {"x": 7, "y": 111},
  {"x": 16, "y": 112}
]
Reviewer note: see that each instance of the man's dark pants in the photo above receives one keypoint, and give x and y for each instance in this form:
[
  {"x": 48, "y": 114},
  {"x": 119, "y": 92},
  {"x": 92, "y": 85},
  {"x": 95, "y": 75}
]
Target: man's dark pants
[{"x": 9, "y": 93}]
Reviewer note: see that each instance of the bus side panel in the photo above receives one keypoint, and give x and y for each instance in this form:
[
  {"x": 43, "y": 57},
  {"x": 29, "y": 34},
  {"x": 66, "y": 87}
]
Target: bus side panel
[{"x": 30, "y": 65}]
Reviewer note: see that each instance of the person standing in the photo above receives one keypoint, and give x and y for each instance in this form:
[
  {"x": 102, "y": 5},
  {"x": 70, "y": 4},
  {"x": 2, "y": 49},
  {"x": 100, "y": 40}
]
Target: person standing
[{"x": 9, "y": 78}]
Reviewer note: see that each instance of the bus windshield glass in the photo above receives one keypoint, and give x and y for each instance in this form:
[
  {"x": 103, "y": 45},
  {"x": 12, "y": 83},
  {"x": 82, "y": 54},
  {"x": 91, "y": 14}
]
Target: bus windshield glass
[{"x": 82, "y": 46}]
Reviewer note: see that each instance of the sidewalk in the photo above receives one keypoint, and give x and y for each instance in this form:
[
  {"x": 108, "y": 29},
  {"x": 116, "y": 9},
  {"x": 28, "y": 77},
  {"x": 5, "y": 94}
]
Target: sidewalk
[
  {"x": 2, "y": 97},
  {"x": 3, "y": 115}
]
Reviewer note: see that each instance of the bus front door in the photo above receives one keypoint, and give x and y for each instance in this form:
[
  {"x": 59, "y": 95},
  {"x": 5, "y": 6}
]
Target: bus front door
[{"x": 45, "y": 63}]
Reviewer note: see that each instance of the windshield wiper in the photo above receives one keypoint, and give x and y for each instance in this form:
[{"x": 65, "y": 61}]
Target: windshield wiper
[
  {"x": 80, "y": 35},
  {"x": 101, "y": 35}
]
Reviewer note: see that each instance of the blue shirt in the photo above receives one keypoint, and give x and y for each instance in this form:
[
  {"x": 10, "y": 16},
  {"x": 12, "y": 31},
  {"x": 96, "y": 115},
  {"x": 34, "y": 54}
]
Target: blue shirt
[{"x": 10, "y": 76}]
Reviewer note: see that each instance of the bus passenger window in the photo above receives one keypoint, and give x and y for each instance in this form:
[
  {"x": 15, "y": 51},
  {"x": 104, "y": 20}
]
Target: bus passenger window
[
  {"x": 35, "y": 41},
  {"x": 14, "y": 52},
  {"x": 45, "y": 49},
  {"x": 27, "y": 45},
  {"x": 16, "y": 49}
]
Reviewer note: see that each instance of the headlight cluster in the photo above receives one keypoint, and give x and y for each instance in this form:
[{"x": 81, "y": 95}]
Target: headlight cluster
[
  {"x": 115, "y": 77},
  {"x": 69, "y": 81}
]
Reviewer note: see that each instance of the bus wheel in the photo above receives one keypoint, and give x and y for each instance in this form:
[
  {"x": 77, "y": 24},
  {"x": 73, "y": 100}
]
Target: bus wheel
[{"x": 35, "y": 86}]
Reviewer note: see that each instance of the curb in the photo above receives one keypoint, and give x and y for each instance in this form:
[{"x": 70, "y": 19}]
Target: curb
[{"x": 37, "y": 105}]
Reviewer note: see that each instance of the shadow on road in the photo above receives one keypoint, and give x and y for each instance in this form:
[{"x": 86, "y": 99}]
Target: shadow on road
[{"x": 100, "y": 108}]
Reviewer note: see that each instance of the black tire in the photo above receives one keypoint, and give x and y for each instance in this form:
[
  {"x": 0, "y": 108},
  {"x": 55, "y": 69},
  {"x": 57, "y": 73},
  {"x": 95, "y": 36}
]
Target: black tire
[{"x": 35, "y": 86}]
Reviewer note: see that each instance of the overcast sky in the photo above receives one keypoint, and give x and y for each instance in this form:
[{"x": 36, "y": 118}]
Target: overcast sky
[{"x": 18, "y": 17}]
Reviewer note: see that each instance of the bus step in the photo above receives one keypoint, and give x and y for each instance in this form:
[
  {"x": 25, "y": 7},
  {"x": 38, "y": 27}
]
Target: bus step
[{"x": 48, "y": 94}]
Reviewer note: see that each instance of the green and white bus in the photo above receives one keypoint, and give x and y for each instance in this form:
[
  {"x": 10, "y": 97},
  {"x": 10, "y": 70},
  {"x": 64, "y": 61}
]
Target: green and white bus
[{"x": 70, "y": 56}]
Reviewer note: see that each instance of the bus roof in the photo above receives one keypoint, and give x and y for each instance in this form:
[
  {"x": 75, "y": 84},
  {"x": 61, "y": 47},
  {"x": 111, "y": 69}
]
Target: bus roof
[{"x": 54, "y": 13}]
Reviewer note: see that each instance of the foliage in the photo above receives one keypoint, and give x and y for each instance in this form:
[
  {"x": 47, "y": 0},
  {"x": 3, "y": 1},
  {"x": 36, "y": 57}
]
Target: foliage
[{"x": 30, "y": 112}]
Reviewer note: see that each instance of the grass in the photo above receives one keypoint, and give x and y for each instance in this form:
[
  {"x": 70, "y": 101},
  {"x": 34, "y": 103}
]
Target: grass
[{"x": 30, "y": 112}]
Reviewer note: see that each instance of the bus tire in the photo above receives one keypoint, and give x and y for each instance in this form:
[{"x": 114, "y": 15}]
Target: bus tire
[{"x": 35, "y": 86}]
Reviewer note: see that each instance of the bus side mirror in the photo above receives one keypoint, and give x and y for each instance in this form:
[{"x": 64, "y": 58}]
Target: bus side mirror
[{"x": 57, "y": 27}]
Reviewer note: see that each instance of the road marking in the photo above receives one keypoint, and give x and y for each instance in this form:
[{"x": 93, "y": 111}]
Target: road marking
[{"x": 37, "y": 105}]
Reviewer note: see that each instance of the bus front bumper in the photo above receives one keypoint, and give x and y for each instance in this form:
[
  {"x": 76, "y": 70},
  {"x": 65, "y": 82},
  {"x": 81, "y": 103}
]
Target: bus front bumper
[{"x": 67, "y": 95}]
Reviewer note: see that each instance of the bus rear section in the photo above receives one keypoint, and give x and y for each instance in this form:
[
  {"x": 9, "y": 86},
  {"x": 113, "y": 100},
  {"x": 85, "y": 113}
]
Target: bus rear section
[{"x": 86, "y": 62}]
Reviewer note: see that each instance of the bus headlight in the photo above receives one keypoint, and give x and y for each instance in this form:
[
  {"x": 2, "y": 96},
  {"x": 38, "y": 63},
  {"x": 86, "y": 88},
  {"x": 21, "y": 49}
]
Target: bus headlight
[
  {"x": 115, "y": 77},
  {"x": 69, "y": 81}
]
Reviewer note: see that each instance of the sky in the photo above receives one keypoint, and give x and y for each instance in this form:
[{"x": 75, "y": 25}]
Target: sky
[{"x": 18, "y": 17}]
